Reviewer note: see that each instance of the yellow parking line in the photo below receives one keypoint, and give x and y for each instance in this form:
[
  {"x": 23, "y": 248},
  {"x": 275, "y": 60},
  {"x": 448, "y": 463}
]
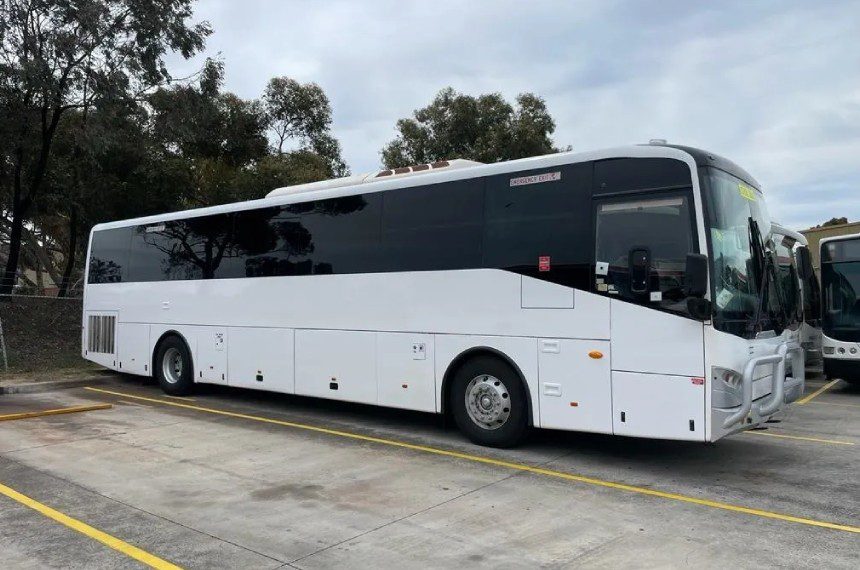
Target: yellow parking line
[
  {"x": 186, "y": 398},
  {"x": 807, "y": 399},
  {"x": 85, "y": 529},
  {"x": 836, "y": 404},
  {"x": 72, "y": 410},
  {"x": 800, "y": 437},
  {"x": 501, "y": 463}
]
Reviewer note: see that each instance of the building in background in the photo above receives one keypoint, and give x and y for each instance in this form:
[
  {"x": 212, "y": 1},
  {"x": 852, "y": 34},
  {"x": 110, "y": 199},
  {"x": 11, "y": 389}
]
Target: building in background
[{"x": 815, "y": 235}]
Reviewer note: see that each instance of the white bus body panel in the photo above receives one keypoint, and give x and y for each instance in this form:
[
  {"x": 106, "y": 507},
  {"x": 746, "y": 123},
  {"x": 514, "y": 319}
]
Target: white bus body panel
[
  {"x": 658, "y": 405},
  {"x": 406, "y": 371},
  {"x": 336, "y": 364},
  {"x": 537, "y": 294},
  {"x": 261, "y": 358},
  {"x": 650, "y": 341},
  {"x": 133, "y": 354},
  {"x": 575, "y": 387},
  {"x": 658, "y": 366},
  {"x": 210, "y": 360}
]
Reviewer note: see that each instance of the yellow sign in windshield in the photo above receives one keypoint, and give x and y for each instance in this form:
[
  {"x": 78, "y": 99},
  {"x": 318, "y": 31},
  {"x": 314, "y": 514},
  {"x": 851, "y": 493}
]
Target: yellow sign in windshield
[{"x": 746, "y": 191}]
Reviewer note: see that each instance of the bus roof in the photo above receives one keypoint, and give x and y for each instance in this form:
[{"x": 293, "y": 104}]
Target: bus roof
[{"x": 839, "y": 238}]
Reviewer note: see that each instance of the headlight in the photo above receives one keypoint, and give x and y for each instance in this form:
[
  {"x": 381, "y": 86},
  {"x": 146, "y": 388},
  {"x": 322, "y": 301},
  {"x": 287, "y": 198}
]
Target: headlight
[{"x": 727, "y": 390}]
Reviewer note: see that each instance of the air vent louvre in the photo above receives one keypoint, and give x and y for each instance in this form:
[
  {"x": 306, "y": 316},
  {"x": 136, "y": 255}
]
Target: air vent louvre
[{"x": 101, "y": 333}]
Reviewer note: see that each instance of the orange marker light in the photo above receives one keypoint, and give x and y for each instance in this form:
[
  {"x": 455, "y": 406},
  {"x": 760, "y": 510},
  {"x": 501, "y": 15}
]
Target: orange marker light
[
  {"x": 595, "y": 354},
  {"x": 574, "y": 404}
]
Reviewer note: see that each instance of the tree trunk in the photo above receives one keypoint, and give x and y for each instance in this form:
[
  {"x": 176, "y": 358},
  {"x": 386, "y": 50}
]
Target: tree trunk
[
  {"x": 70, "y": 253},
  {"x": 7, "y": 283}
]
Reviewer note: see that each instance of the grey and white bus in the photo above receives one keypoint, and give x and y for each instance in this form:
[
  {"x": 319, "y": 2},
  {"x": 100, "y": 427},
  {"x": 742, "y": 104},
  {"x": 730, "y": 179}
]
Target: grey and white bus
[
  {"x": 628, "y": 291},
  {"x": 840, "y": 300}
]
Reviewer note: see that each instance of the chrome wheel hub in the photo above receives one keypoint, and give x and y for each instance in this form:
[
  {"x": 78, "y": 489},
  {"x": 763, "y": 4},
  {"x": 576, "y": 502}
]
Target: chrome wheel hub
[
  {"x": 487, "y": 402},
  {"x": 171, "y": 365}
]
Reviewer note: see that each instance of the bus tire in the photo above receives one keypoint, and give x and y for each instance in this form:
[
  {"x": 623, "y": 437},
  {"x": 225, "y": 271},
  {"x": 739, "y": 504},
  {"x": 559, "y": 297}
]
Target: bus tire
[
  {"x": 173, "y": 367},
  {"x": 488, "y": 402}
]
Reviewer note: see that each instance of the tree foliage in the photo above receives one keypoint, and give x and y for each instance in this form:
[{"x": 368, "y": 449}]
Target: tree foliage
[
  {"x": 302, "y": 112},
  {"x": 834, "y": 222},
  {"x": 93, "y": 128},
  {"x": 56, "y": 57},
  {"x": 485, "y": 128}
]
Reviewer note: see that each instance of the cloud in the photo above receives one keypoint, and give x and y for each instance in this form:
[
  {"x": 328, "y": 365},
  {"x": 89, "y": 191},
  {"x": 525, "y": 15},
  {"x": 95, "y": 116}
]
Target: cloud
[{"x": 773, "y": 86}]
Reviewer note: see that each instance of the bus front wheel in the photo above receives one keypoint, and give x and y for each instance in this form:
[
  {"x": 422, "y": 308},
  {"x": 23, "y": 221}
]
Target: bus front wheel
[
  {"x": 488, "y": 402},
  {"x": 173, "y": 367}
]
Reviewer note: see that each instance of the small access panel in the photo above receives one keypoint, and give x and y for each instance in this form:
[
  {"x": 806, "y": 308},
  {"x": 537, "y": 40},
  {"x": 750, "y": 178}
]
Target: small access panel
[
  {"x": 405, "y": 365},
  {"x": 210, "y": 366}
]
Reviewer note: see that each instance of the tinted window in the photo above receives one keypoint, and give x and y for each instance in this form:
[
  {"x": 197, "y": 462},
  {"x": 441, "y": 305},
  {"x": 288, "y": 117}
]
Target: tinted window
[
  {"x": 662, "y": 228},
  {"x": 550, "y": 218},
  {"x": 343, "y": 233},
  {"x": 109, "y": 255},
  {"x": 625, "y": 174},
  {"x": 840, "y": 284},
  {"x": 841, "y": 250},
  {"x": 339, "y": 235},
  {"x": 433, "y": 227},
  {"x": 195, "y": 248}
]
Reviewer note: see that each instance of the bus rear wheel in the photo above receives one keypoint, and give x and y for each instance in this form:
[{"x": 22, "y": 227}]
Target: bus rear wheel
[
  {"x": 488, "y": 402},
  {"x": 173, "y": 367}
]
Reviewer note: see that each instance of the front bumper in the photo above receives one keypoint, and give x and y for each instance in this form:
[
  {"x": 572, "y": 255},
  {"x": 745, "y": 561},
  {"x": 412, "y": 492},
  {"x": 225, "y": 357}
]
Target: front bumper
[{"x": 784, "y": 389}]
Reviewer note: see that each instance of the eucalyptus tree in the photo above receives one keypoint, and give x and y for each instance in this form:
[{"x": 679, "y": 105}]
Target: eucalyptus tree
[
  {"x": 59, "y": 56},
  {"x": 485, "y": 128}
]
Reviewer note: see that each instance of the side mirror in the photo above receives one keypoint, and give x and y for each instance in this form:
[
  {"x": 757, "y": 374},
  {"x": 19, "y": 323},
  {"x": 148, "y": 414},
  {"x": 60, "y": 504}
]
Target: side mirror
[
  {"x": 696, "y": 275},
  {"x": 700, "y": 309},
  {"x": 639, "y": 263}
]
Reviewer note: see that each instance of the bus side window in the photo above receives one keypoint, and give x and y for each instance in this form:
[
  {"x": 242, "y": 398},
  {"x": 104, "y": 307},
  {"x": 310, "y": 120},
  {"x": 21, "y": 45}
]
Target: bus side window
[{"x": 650, "y": 235}]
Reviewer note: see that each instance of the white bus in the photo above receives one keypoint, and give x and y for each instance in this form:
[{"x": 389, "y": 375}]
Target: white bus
[
  {"x": 840, "y": 301},
  {"x": 567, "y": 291},
  {"x": 803, "y": 293}
]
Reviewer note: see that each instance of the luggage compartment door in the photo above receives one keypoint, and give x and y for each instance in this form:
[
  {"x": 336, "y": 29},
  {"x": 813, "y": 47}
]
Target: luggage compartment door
[
  {"x": 575, "y": 387},
  {"x": 658, "y": 406}
]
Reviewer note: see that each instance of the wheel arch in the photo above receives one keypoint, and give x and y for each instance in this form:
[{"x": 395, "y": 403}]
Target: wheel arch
[
  {"x": 164, "y": 336},
  {"x": 475, "y": 352}
]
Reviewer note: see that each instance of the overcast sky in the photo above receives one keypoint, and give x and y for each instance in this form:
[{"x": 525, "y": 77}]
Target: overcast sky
[{"x": 774, "y": 86}]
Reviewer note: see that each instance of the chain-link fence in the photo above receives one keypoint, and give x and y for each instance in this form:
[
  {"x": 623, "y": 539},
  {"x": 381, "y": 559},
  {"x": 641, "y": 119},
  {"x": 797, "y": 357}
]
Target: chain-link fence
[{"x": 27, "y": 288}]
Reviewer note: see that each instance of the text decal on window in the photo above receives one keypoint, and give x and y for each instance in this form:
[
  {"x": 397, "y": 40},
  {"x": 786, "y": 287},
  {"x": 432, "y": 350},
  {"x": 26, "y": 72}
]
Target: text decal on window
[{"x": 536, "y": 179}]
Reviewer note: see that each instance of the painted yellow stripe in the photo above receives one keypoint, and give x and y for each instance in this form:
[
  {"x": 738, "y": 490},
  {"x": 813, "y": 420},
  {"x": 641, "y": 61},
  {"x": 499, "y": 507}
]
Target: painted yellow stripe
[
  {"x": 85, "y": 529},
  {"x": 501, "y": 463},
  {"x": 184, "y": 398},
  {"x": 807, "y": 399},
  {"x": 799, "y": 437},
  {"x": 57, "y": 411},
  {"x": 836, "y": 404}
]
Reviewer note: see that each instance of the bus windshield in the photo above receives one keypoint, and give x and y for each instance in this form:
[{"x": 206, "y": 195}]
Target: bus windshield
[
  {"x": 840, "y": 284},
  {"x": 731, "y": 204}
]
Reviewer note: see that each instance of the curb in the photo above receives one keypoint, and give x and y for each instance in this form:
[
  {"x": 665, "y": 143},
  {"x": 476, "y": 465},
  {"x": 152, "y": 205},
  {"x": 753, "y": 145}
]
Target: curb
[{"x": 51, "y": 385}]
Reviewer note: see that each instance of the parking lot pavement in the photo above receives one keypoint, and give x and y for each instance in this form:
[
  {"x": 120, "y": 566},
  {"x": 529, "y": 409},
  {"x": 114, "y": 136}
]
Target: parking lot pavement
[{"x": 234, "y": 478}]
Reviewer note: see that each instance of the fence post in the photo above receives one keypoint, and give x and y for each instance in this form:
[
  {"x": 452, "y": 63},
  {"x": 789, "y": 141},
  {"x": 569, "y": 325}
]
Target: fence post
[{"x": 3, "y": 349}]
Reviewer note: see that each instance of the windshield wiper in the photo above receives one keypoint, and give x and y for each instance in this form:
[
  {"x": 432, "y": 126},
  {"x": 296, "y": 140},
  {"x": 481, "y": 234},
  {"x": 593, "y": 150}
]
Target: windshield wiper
[{"x": 765, "y": 271}]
